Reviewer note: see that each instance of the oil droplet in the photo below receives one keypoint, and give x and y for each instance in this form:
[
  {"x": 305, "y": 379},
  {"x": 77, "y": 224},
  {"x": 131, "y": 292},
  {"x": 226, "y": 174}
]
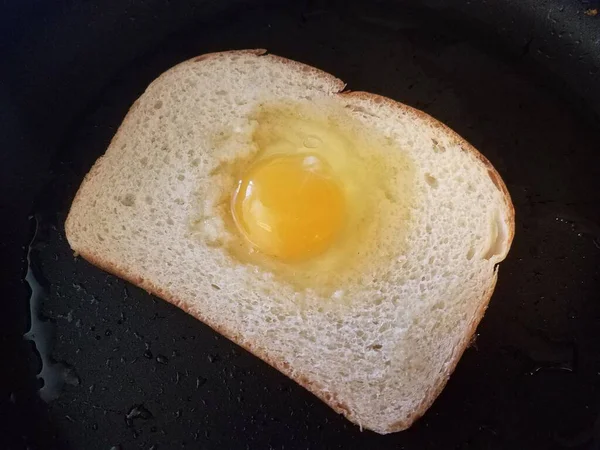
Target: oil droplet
[
  {"x": 53, "y": 375},
  {"x": 137, "y": 412},
  {"x": 200, "y": 381}
]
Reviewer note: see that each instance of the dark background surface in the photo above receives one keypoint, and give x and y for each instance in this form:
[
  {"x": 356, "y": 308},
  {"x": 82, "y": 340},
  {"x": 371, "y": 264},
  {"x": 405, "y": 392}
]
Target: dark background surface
[{"x": 520, "y": 80}]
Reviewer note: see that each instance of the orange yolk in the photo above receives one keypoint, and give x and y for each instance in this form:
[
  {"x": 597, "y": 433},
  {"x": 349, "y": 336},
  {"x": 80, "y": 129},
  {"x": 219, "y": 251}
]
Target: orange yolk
[{"x": 289, "y": 207}]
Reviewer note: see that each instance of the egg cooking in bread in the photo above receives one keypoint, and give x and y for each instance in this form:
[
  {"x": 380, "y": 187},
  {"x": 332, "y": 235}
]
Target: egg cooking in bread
[
  {"x": 307, "y": 192},
  {"x": 348, "y": 240}
]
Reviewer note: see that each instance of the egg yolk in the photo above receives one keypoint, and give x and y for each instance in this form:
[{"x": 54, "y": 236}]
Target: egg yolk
[{"x": 289, "y": 207}]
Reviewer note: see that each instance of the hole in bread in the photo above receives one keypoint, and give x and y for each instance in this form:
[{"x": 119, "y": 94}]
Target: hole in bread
[
  {"x": 181, "y": 177},
  {"x": 383, "y": 328},
  {"x": 431, "y": 180},
  {"x": 438, "y": 305},
  {"x": 170, "y": 221},
  {"x": 127, "y": 200},
  {"x": 436, "y": 146},
  {"x": 216, "y": 287},
  {"x": 158, "y": 104},
  {"x": 362, "y": 110},
  {"x": 375, "y": 346},
  {"x": 470, "y": 253},
  {"x": 221, "y": 92},
  {"x": 498, "y": 237},
  {"x": 148, "y": 199}
]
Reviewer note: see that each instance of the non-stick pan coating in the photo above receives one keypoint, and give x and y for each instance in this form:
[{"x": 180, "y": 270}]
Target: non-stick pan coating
[{"x": 125, "y": 370}]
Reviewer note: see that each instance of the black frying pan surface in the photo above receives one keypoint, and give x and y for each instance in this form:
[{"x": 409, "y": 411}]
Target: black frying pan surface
[{"x": 122, "y": 369}]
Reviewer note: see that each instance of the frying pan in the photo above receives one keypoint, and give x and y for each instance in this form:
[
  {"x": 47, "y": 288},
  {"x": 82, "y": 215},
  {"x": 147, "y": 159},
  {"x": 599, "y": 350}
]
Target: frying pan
[{"x": 92, "y": 362}]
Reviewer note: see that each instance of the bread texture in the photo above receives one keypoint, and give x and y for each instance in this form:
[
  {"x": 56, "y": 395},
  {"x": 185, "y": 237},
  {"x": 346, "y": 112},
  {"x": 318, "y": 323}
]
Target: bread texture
[{"x": 383, "y": 358}]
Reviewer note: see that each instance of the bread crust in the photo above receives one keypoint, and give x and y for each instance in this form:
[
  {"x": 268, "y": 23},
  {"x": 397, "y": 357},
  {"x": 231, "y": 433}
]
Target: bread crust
[
  {"x": 459, "y": 350},
  {"x": 331, "y": 399}
]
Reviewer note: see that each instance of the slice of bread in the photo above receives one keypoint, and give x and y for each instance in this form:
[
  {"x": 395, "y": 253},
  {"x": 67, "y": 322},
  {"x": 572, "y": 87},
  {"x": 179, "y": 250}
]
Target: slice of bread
[{"x": 381, "y": 361}]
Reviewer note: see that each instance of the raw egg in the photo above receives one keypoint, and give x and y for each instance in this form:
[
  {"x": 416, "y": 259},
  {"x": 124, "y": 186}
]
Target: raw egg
[
  {"x": 312, "y": 195},
  {"x": 290, "y": 206}
]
